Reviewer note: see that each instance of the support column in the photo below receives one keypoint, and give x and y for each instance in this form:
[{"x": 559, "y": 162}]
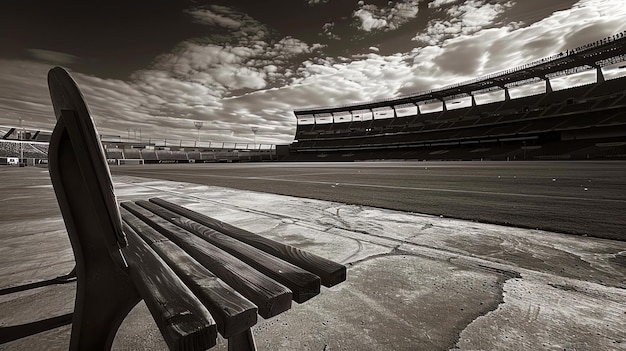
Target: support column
[
  {"x": 599, "y": 75},
  {"x": 548, "y": 85}
]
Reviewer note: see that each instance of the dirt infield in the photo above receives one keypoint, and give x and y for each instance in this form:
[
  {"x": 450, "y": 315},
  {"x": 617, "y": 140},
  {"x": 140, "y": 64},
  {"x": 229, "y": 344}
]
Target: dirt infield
[{"x": 583, "y": 198}]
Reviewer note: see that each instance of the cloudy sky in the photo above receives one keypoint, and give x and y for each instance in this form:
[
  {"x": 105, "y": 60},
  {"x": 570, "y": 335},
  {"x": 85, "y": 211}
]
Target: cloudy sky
[{"x": 160, "y": 66}]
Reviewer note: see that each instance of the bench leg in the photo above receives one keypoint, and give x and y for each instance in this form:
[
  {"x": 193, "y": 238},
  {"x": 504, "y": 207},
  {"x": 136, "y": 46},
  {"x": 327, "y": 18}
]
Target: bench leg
[
  {"x": 242, "y": 342},
  {"x": 103, "y": 300},
  {"x": 104, "y": 292}
]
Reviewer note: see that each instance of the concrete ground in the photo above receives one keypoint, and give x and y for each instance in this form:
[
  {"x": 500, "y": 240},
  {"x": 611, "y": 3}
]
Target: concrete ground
[{"x": 415, "y": 282}]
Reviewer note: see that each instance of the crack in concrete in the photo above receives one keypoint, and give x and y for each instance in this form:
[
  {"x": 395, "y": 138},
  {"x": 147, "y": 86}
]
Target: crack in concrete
[{"x": 503, "y": 277}]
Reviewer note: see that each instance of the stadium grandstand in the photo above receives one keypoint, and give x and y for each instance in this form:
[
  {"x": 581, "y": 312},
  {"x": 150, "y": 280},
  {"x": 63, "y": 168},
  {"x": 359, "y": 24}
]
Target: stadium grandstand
[
  {"x": 137, "y": 152},
  {"x": 481, "y": 119},
  {"x": 23, "y": 147},
  {"x": 26, "y": 147}
]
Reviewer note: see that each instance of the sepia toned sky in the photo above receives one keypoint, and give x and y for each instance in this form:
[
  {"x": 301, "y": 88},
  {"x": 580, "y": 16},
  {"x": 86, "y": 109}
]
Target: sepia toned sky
[{"x": 160, "y": 66}]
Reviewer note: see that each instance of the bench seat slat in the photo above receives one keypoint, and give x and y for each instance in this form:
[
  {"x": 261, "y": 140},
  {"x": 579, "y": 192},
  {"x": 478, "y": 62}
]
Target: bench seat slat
[
  {"x": 232, "y": 312},
  {"x": 331, "y": 273},
  {"x": 182, "y": 319},
  {"x": 270, "y": 297},
  {"x": 302, "y": 283}
]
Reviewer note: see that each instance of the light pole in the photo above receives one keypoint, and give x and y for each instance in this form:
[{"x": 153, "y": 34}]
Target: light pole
[
  {"x": 198, "y": 125},
  {"x": 254, "y": 129},
  {"x": 20, "y": 137}
]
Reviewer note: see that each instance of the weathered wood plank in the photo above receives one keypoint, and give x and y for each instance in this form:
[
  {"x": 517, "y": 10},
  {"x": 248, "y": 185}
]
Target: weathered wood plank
[
  {"x": 182, "y": 319},
  {"x": 270, "y": 297},
  {"x": 242, "y": 342},
  {"x": 331, "y": 273},
  {"x": 232, "y": 312},
  {"x": 302, "y": 283}
]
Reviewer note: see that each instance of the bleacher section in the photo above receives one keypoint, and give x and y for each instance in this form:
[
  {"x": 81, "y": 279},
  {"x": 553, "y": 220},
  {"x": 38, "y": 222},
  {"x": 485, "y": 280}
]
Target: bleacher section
[
  {"x": 133, "y": 154},
  {"x": 149, "y": 156},
  {"x": 127, "y": 155},
  {"x": 116, "y": 154},
  {"x": 562, "y": 124},
  {"x": 29, "y": 150}
]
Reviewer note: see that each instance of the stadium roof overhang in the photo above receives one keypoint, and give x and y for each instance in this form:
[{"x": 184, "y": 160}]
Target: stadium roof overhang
[{"x": 590, "y": 56}]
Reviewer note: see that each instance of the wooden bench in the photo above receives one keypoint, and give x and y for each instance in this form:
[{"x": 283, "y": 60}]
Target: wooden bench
[{"x": 197, "y": 275}]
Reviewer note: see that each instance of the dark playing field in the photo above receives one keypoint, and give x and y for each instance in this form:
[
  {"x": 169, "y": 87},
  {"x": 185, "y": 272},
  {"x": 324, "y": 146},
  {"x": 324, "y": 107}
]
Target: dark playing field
[{"x": 584, "y": 198}]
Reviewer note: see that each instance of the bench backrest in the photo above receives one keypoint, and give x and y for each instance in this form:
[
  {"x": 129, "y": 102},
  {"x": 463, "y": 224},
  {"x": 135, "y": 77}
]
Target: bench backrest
[
  {"x": 110, "y": 282},
  {"x": 73, "y": 114}
]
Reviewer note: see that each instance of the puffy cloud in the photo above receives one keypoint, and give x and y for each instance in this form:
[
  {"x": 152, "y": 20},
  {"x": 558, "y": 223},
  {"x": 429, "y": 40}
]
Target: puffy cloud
[
  {"x": 327, "y": 30},
  {"x": 316, "y": 2},
  {"x": 53, "y": 57},
  {"x": 237, "y": 77},
  {"x": 373, "y": 77},
  {"x": 439, "y": 3},
  {"x": 24, "y": 93},
  {"x": 463, "y": 19},
  {"x": 372, "y": 17},
  {"x": 369, "y": 20},
  {"x": 206, "y": 16},
  {"x": 290, "y": 46}
]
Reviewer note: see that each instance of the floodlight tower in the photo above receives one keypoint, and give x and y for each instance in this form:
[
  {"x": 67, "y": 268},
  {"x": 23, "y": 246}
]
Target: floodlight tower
[
  {"x": 254, "y": 130},
  {"x": 21, "y": 136},
  {"x": 198, "y": 125}
]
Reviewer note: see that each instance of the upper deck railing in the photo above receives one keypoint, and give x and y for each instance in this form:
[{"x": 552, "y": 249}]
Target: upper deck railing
[{"x": 600, "y": 53}]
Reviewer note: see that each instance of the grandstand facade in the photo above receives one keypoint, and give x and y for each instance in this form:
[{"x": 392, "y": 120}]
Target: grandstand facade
[
  {"x": 30, "y": 147},
  {"x": 21, "y": 148},
  {"x": 132, "y": 153},
  {"x": 579, "y": 122}
]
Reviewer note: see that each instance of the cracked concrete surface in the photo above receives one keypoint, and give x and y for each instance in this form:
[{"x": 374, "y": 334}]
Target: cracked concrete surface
[{"x": 415, "y": 282}]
